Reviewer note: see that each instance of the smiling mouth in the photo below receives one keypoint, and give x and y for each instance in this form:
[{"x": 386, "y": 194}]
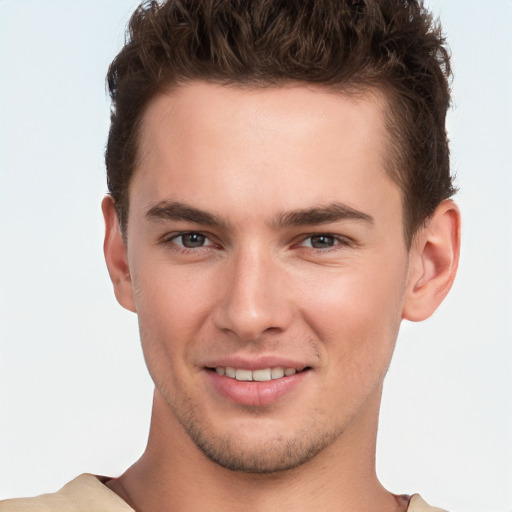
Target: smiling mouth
[{"x": 261, "y": 375}]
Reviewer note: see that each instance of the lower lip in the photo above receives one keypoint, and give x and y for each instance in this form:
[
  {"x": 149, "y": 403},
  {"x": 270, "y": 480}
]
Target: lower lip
[{"x": 254, "y": 393}]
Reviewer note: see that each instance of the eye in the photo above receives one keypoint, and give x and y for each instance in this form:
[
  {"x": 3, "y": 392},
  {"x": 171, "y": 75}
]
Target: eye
[
  {"x": 191, "y": 240},
  {"x": 321, "y": 241}
]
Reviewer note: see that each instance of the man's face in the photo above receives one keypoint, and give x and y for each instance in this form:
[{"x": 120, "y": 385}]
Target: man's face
[{"x": 265, "y": 238}]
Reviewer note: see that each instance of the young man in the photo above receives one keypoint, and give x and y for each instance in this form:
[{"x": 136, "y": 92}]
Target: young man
[{"x": 279, "y": 201}]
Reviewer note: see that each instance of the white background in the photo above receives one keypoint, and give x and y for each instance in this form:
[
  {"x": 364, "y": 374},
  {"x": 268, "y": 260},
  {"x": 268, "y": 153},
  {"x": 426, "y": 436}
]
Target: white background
[{"x": 74, "y": 393}]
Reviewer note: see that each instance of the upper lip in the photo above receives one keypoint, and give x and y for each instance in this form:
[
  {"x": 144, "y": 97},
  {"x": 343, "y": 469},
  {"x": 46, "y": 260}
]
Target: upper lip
[{"x": 255, "y": 363}]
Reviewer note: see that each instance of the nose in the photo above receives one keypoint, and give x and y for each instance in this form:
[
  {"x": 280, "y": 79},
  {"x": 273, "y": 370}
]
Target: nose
[{"x": 255, "y": 299}]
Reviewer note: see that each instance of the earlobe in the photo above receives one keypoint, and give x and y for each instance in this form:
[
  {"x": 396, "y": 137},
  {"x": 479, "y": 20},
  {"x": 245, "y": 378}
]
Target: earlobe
[
  {"x": 116, "y": 256},
  {"x": 434, "y": 258}
]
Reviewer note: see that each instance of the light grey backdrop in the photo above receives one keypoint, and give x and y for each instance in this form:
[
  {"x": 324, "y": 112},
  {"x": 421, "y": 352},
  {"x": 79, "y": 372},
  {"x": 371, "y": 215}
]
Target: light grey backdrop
[{"x": 74, "y": 393}]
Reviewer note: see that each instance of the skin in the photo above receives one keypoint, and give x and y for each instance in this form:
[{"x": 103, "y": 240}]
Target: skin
[{"x": 247, "y": 178}]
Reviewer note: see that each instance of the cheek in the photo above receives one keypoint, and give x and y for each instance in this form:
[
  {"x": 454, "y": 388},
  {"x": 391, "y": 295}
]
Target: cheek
[
  {"x": 356, "y": 317},
  {"x": 171, "y": 310},
  {"x": 172, "y": 304},
  {"x": 356, "y": 312},
  {"x": 164, "y": 291}
]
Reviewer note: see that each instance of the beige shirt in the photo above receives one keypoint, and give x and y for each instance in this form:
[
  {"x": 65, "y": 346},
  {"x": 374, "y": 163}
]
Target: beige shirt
[{"x": 87, "y": 493}]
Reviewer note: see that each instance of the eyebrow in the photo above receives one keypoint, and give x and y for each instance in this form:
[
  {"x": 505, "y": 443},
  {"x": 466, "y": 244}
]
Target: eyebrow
[
  {"x": 333, "y": 212},
  {"x": 165, "y": 210}
]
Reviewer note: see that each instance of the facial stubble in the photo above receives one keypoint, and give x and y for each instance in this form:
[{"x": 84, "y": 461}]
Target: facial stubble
[{"x": 279, "y": 452}]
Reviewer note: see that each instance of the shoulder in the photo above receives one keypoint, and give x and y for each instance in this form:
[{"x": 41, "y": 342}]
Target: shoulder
[
  {"x": 83, "y": 494},
  {"x": 416, "y": 504}
]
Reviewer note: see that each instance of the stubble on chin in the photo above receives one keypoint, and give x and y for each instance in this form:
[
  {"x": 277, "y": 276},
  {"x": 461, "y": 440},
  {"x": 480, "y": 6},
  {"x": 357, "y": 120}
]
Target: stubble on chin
[{"x": 279, "y": 452}]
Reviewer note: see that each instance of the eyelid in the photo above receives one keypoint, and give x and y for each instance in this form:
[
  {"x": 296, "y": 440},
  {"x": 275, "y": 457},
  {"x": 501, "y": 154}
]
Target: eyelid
[
  {"x": 340, "y": 240},
  {"x": 173, "y": 236}
]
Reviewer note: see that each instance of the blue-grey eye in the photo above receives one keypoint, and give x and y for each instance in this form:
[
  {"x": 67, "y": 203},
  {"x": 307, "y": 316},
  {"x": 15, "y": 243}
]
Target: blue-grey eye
[
  {"x": 192, "y": 240},
  {"x": 320, "y": 241}
]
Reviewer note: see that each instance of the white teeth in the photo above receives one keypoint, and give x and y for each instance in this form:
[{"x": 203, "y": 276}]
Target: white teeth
[
  {"x": 277, "y": 373},
  {"x": 262, "y": 375},
  {"x": 243, "y": 375}
]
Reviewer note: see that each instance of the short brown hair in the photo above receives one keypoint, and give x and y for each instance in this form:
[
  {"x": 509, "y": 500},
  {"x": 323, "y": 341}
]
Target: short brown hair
[{"x": 394, "y": 46}]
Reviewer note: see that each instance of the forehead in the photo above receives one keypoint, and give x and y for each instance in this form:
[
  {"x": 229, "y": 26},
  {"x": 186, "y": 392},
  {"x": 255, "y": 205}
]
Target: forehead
[
  {"x": 288, "y": 111},
  {"x": 236, "y": 148}
]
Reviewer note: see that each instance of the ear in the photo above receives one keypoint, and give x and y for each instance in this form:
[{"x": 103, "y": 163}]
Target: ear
[
  {"x": 114, "y": 248},
  {"x": 433, "y": 262}
]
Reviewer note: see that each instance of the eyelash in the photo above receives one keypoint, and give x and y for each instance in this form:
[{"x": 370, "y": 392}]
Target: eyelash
[
  {"x": 172, "y": 240},
  {"x": 337, "y": 241}
]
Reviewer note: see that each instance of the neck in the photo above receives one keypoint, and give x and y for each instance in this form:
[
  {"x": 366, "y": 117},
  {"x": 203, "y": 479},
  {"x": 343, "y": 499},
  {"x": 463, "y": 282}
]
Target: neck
[{"x": 173, "y": 474}]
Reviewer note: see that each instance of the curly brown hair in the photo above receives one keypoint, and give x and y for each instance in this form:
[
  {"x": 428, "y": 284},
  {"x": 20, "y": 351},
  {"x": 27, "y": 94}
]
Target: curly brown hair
[{"x": 394, "y": 46}]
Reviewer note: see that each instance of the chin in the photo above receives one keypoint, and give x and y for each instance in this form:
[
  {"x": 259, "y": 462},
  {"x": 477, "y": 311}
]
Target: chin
[{"x": 268, "y": 452}]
